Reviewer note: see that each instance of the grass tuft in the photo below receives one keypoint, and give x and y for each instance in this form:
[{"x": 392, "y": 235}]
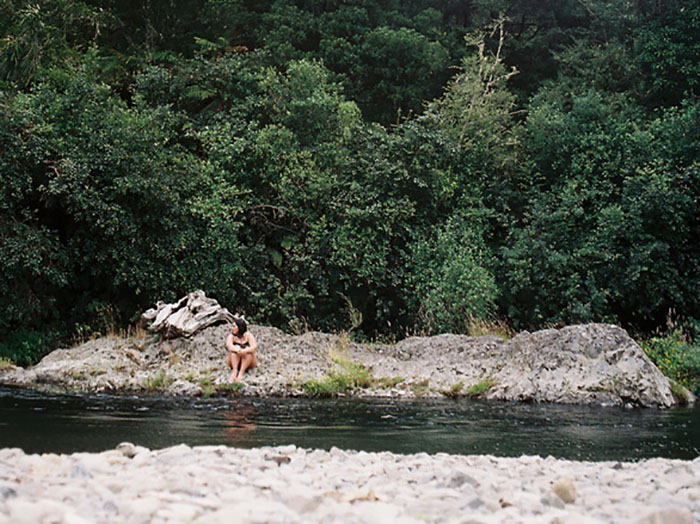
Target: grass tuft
[
  {"x": 388, "y": 382},
  {"x": 331, "y": 385},
  {"x": 230, "y": 388},
  {"x": 350, "y": 376},
  {"x": 136, "y": 332},
  {"x": 356, "y": 375},
  {"x": 208, "y": 388},
  {"x": 420, "y": 388},
  {"x": 680, "y": 393},
  {"x": 159, "y": 381},
  {"x": 481, "y": 327},
  {"x": 454, "y": 391},
  {"x": 480, "y": 388}
]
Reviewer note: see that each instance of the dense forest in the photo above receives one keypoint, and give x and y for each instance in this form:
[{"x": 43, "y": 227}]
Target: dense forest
[{"x": 391, "y": 167}]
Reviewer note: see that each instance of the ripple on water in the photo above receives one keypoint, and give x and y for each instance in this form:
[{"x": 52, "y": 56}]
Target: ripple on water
[{"x": 94, "y": 423}]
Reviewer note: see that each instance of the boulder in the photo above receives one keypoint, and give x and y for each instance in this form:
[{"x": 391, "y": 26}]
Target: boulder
[
  {"x": 582, "y": 364},
  {"x": 593, "y": 364}
]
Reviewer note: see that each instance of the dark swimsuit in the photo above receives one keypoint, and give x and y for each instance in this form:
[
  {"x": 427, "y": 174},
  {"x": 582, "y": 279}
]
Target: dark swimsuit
[{"x": 242, "y": 344}]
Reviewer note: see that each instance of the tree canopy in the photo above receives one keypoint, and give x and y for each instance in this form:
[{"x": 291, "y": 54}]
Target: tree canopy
[{"x": 424, "y": 164}]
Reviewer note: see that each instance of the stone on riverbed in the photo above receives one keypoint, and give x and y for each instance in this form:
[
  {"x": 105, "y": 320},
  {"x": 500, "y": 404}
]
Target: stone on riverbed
[
  {"x": 588, "y": 364},
  {"x": 211, "y": 484},
  {"x": 565, "y": 490}
]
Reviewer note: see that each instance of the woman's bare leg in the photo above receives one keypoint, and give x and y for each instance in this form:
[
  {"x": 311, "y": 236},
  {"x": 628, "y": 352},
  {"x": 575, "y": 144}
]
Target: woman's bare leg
[
  {"x": 248, "y": 360},
  {"x": 233, "y": 360}
]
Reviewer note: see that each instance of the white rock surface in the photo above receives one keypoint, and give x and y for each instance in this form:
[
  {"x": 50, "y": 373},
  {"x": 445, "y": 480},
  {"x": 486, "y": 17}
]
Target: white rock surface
[
  {"x": 215, "y": 484},
  {"x": 588, "y": 364}
]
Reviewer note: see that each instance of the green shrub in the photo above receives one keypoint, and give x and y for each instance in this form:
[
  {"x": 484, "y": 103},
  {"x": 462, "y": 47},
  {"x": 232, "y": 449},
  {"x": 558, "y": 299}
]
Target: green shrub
[
  {"x": 26, "y": 347},
  {"x": 677, "y": 357},
  {"x": 453, "y": 288}
]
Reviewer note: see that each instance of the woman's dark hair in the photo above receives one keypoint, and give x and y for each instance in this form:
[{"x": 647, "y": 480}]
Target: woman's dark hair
[{"x": 242, "y": 326}]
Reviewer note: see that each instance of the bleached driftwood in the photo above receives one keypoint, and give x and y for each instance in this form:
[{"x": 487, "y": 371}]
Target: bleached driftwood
[{"x": 187, "y": 316}]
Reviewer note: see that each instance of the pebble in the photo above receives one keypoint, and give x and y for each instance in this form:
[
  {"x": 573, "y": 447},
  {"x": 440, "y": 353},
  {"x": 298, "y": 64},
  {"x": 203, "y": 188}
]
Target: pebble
[
  {"x": 127, "y": 449},
  {"x": 565, "y": 490},
  {"x": 212, "y": 484},
  {"x": 667, "y": 516}
]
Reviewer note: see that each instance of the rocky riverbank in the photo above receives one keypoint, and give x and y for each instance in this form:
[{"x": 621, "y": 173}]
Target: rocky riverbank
[
  {"x": 217, "y": 484},
  {"x": 587, "y": 364}
]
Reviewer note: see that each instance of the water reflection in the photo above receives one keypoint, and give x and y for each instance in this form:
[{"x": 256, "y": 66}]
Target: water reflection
[
  {"x": 239, "y": 426},
  {"x": 99, "y": 422}
]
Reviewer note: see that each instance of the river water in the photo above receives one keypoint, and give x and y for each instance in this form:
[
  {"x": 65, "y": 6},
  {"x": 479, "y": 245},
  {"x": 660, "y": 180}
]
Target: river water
[{"x": 64, "y": 424}]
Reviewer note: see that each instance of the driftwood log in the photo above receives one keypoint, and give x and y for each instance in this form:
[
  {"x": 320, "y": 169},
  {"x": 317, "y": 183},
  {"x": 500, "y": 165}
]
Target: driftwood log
[{"x": 186, "y": 316}]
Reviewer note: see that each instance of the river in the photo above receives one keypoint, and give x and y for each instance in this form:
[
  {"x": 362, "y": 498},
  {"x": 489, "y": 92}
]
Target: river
[{"x": 41, "y": 423}]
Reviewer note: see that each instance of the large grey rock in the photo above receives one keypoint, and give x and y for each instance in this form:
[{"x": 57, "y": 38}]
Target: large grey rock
[
  {"x": 594, "y": 363},
  {"x": 587, "y": 364},
  {"x": 584, "y": 364}
]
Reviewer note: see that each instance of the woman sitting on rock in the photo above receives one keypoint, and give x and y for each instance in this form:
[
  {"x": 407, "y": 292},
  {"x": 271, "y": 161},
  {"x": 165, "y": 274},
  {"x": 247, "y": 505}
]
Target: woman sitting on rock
[{"x": 241, "y": 346}]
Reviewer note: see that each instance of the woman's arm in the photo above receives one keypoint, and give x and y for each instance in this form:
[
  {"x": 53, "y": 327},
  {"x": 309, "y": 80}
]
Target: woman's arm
[
  {"x": 231, "y": 346},
  {"x": 252, "y": 343}
]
